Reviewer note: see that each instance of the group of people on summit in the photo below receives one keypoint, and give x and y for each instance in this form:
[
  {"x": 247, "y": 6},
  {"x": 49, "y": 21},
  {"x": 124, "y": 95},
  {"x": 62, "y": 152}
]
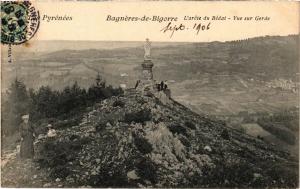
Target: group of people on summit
[{"x": 161, "y": 86}]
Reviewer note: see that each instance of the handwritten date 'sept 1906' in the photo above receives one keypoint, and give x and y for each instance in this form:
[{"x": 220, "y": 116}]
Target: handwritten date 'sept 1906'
[{"x": 181, "y": 27}]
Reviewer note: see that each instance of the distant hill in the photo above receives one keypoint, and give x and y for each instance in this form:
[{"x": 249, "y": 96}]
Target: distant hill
[
  {"x": 229, "y": 76},
  {"x": 262, "y": 57}
]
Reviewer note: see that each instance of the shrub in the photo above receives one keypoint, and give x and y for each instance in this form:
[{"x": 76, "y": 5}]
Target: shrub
[
  {"x": 142, "y": 144},
  {"x": 146, "y": 169},
  {"x": 140, "y": 100},
  {"x": 185, "y": 141},
  {"x": 177, "y": 129},
  {"x": 190, "y": 125},
  {"x": 225, "y": 134},
  {"x": 138, "y": 117},
  {"x": 279, "y": 131},
  {"x": 100, "y": 125},
  {"x": 118, "y": 103},
  {"x": 108, "y": 178},
  {"x": 240, "y": 174},
  {"x": 56, "y": 155},
  {"x": 284, "y": 175},
  {"x": 260, "y": 137},
  {"x": 67, "y": 123},
  {"x": 59, "y": 171}
]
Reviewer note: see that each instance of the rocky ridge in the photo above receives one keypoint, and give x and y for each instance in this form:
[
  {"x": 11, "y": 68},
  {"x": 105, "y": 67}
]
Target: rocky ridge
[{"x": 137, "y": 141}]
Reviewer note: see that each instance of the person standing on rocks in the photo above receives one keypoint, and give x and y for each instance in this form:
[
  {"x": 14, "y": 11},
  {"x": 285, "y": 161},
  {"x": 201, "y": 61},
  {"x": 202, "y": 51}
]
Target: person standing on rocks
[
  {"x": 27, "y": 138},
  {"x": 161, "y": 85}
]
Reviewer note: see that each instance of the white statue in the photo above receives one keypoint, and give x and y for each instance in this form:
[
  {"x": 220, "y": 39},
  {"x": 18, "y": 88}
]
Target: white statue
[{"x": 147, "y": 48}]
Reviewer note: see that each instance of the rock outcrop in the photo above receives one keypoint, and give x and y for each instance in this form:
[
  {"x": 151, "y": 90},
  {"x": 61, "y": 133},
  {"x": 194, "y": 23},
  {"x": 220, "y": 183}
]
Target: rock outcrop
[{"x": 138, "y": 141}]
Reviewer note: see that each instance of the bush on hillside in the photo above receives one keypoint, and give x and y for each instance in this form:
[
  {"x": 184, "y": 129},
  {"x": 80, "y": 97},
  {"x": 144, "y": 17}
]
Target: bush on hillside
[
  {"x": 142, "y": 144},
  {"x": 146, "y": 169},
  {"x": 190, "y": 125},
  {"x": 177, "y": 129},
  {"x": 279, "y": 131},
  {"x": 139, "y": 116},
  {"x": 118, "y": 103},
  {"x": 185, "y": 141},
  {"x": 56, "y": 155},
  {"x": 108, "y": 178}
]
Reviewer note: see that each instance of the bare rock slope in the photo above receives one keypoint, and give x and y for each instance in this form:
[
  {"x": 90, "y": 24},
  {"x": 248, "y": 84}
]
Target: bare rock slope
[{"x": 136, "y": 141}]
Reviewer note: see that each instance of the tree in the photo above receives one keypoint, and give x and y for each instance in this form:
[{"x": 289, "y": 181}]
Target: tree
[
  {"x": 100, "y": 82},
  {"x": 72, "y": 97},
  {"x": 46, "y": 101},
  {"x": 16, "y": 105}
]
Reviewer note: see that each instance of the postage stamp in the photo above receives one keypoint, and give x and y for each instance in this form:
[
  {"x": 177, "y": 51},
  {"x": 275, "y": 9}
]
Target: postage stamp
[{"x": 19, "y": 22}]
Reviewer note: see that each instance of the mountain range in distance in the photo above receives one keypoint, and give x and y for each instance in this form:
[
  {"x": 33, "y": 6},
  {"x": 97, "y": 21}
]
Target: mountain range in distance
[{"x": 229, "y": 77}]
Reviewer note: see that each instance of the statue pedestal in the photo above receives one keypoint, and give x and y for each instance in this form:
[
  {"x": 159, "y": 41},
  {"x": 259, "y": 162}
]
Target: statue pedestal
[
  {"x": 146, "y": 79},
  {"x": 147, "y": 73}
]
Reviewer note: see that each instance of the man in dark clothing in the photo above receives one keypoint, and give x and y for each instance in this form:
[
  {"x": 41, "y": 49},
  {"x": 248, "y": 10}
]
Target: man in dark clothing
[
  {"x": 137, "y": 83},
  {"x": 27, "y": 138},
  {"x": 161, "y": 85},
  {"x": 166, "y": 86}
]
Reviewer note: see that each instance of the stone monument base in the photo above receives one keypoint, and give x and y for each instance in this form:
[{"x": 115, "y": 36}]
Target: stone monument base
[{"x": 146, "y": 85}]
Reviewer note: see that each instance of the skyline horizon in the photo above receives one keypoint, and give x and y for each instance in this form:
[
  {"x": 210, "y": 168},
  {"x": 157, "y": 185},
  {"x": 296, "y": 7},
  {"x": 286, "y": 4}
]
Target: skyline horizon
[{"x": 43, "y": 46}]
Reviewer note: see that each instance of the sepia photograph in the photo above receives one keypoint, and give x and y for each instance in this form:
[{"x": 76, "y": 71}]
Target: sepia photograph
[{"x": 146, "y": 113}]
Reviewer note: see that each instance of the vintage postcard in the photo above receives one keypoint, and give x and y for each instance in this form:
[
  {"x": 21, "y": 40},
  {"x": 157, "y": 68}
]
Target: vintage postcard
[{"x": 135, "y": 94}]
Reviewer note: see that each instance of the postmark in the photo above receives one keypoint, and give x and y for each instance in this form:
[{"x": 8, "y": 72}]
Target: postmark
[{"x": 19, "y": 22}]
